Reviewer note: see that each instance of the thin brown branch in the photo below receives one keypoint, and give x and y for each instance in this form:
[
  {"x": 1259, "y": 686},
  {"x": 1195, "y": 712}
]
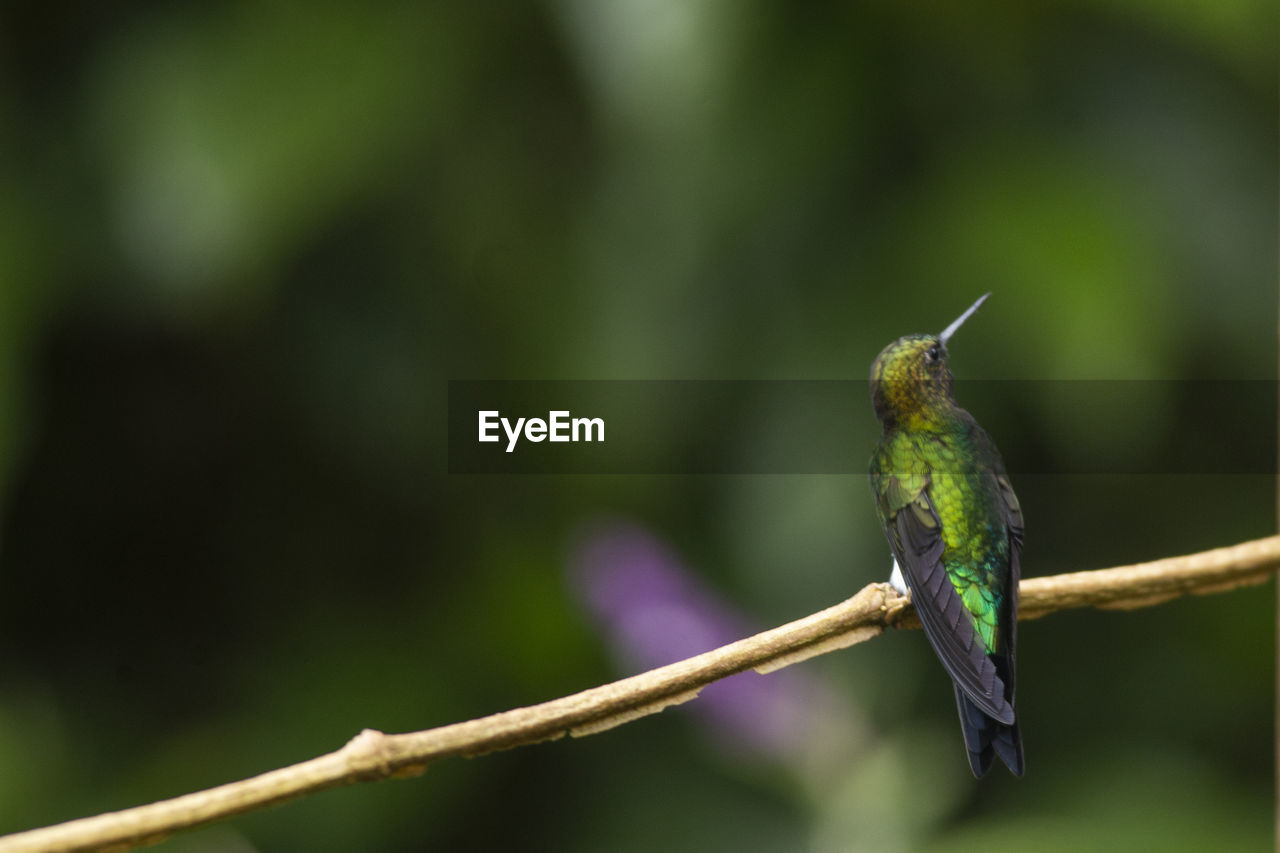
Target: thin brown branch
[{"x": 373, "y": 755}]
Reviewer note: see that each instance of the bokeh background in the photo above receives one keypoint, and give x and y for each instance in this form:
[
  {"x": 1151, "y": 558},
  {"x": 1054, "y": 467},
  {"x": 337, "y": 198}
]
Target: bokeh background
[{"x": 244, "y": 246}]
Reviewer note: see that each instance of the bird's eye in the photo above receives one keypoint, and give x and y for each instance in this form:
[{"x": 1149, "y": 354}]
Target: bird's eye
[{"x": 933, "y": 353}]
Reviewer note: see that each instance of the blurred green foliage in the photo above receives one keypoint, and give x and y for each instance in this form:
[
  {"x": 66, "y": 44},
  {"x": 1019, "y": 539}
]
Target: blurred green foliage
[{"x": 243, "y": 247}]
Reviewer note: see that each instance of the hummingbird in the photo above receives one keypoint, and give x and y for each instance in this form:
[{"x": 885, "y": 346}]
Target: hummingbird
[{"x": 955, "y": 529}]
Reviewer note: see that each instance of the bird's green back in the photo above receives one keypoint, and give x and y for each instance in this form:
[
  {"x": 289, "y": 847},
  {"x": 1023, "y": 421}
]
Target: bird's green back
[{"x": 962, "y": 489}]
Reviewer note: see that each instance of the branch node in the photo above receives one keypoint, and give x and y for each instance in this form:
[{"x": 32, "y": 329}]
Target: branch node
[{"x": 367, "y": 756}]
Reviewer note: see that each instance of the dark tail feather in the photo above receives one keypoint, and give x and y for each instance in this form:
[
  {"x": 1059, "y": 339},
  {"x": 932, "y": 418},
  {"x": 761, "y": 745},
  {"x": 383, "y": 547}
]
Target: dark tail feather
[{"x": 985, "y": 738}]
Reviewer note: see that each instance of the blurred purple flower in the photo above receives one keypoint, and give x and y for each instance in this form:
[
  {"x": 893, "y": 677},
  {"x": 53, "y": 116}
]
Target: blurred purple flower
[{"x": 653, "y": 612}]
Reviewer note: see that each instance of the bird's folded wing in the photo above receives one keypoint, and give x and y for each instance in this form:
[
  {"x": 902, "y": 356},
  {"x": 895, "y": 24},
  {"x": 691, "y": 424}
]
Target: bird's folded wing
[
  {"x": 1013, "y": 522},
  {"x": 947, "y": 623}
]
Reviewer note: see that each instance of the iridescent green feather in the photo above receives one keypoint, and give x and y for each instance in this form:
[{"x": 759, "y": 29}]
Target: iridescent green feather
[{"x": 976, "y": 554}]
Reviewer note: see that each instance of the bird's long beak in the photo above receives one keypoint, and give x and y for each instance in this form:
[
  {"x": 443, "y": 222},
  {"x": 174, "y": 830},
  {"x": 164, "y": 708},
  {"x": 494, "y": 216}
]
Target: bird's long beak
[{"x": 951, "y": 330}]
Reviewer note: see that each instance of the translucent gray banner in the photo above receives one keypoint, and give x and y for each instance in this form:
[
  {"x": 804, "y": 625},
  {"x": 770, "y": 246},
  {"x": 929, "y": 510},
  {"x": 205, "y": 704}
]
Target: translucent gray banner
[{"x": 828, "y": 426}]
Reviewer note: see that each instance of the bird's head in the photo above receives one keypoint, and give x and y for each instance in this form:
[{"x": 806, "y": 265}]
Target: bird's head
[{"x": 910, "y": 378}]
